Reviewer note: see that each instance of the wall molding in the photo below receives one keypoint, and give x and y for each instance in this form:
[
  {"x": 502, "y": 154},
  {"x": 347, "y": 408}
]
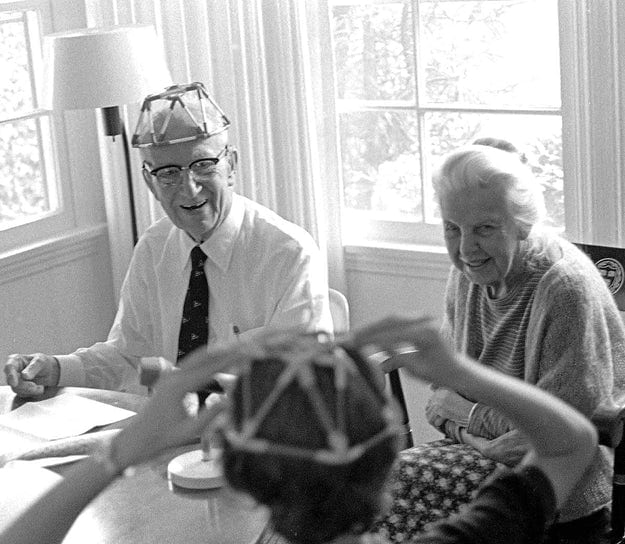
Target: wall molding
[
  {"x": 410, "y": 261},
  {"x": 53, "y": 252}
]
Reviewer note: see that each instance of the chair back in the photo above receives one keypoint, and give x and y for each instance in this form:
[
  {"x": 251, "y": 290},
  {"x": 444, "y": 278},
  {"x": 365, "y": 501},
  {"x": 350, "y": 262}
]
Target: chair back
[
  {"x": 339, "y": 309},
  {"x": 609, "y": 419},
  {"x": 610, "y": 261}
]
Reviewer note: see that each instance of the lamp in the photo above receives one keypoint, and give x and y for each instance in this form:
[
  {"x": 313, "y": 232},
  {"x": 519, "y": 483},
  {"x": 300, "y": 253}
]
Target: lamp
[{"x": 104, "y": 68}]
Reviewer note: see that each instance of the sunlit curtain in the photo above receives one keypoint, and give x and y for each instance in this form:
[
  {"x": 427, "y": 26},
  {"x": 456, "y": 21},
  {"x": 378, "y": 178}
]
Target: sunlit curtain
[{"x": 252, "y": 54}]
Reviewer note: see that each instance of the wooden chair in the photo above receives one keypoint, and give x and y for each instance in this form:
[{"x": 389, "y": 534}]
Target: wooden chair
[
  {"x": 610, "y": 261},
  {"x": 398, "y": 394},
  {"x": 339, "y": 309}
]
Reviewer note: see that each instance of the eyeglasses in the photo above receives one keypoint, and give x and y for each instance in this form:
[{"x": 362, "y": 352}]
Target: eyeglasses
[{"x": 170, "y": 176}]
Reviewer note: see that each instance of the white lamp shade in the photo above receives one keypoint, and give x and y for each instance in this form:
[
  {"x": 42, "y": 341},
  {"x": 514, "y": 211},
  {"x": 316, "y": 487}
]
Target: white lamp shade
[{"x": 102, "y": 67}]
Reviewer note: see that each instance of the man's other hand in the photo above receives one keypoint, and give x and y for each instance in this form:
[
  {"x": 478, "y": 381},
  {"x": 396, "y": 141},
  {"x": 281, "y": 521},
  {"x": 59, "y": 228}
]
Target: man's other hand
[{"x": 28, "y": 375}]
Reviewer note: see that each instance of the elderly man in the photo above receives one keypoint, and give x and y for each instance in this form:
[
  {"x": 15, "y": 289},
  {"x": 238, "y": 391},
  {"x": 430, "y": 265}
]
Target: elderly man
[{"x": 218, "y": 266}]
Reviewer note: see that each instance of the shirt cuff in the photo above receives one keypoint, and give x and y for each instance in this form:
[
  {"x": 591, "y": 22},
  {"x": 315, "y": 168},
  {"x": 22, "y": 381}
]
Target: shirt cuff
[{"x": 72, "y": 372}]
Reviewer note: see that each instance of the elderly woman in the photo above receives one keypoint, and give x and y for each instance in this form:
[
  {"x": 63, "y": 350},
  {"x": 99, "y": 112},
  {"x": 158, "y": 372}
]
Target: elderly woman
[
  {"x": 528, "y": 304},
  {"x": 312, "y": 436}
]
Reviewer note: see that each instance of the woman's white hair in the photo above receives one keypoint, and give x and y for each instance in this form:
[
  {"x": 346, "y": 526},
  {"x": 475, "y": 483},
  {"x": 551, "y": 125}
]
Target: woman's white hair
[{"x": 482, "y": 166}]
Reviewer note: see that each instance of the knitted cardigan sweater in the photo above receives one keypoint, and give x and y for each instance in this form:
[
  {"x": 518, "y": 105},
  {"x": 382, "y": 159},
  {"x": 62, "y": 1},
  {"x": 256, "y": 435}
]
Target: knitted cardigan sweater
[{"x": 557, "y": 327}]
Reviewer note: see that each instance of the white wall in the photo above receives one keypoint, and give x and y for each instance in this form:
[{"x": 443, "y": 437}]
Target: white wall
[
  {"x": 382, "y": 282},
  {"x": 58, "y": 296}
]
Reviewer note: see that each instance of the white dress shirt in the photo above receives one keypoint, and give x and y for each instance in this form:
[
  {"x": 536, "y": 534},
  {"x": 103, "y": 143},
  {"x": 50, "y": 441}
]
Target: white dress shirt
[{"x": 261, "y": 270}]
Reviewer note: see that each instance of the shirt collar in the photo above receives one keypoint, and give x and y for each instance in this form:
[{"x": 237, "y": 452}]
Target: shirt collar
[{"x": 220, "y": 245}]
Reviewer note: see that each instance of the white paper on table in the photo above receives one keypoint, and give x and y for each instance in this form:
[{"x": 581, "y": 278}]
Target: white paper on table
[
  {"x": 14, "y": 443},
  {"x": 62, "y": 416}
]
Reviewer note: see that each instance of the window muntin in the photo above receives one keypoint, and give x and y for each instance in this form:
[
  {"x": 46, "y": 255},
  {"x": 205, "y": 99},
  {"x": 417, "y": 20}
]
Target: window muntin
[{"x": 415, "y": 79}]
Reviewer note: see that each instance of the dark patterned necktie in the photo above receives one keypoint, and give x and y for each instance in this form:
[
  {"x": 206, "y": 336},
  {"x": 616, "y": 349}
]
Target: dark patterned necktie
[{"x": 194, "y": 326}]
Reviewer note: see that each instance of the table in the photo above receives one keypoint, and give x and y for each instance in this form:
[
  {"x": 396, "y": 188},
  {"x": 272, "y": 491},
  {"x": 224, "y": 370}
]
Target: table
[{"x": 145, "y": 508}]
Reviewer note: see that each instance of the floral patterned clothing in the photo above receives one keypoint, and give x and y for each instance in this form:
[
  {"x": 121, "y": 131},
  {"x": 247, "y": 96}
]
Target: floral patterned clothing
[{"x": 430, "y": 482}]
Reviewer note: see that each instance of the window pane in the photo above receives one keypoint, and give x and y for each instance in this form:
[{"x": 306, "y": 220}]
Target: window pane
[
  {"x": 374, "y": 51},
  {"x": 501, "y": 56},
  {"x": 381, "y": 165},
  {"x": 491, "y": 52},
  {"x": 538, "y": 136},
  {"x": 15, "y": 83},
  {"x": 24, "y": 194}
]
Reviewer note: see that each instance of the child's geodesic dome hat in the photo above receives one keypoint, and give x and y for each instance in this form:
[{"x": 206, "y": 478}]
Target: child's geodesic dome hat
[
  {"x": 299, "y": 356},
  {"x": 180, "y": 113}
]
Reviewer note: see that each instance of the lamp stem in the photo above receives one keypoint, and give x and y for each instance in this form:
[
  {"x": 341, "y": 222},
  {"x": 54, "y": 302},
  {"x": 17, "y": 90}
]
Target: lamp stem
[{"x": 131, "y": 194}]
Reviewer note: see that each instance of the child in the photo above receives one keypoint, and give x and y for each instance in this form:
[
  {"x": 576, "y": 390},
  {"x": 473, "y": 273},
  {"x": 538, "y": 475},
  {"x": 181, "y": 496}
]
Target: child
[{"x": 310, "y": 434}]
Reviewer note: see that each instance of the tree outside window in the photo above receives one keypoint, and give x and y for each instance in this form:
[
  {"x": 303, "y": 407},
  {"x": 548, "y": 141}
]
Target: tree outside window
[{"x": 27, "y": 188}]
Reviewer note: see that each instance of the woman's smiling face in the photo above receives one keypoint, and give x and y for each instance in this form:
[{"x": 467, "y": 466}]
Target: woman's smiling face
[{"x": 481, "y": 235}]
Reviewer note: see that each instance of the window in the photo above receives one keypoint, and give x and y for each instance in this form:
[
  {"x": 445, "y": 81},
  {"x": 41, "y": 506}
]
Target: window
[
  {"x": 414, "y": 79},
  {"x": 30, "y": 192}
]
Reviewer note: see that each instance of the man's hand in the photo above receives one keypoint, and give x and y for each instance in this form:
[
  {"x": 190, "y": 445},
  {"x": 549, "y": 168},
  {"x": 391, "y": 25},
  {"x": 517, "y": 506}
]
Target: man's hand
[
  {"x": 166, "y": 421},
  {"x": 29, "y": 374},
  {"x": 444, "y": 405},
  {"x": 509, "y": 448}
]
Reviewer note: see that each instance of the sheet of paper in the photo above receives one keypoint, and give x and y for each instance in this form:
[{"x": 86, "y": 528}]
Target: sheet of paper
[
  {"x": 46, "y": 462},
  {"x": 62, "y": 416},
  {"x": 14, "y": 443}
]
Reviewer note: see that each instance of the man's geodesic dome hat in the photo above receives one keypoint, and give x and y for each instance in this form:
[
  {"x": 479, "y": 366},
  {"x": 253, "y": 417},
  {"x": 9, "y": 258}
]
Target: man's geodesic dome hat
[{"x": 180, "y": 113}]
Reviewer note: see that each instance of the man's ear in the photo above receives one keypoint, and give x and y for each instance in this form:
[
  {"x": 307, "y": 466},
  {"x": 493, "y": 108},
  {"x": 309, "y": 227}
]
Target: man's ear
[
  {"x": 233, "y": 160},
  {"x": 147, "y": 177}
]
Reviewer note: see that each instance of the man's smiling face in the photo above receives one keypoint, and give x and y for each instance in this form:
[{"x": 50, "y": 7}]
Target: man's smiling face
[{"x": 196, "y": 206}]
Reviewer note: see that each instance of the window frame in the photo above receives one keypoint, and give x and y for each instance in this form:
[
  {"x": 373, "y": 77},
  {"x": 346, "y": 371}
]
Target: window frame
[
  {"x": 52, "y": 146},
  {"x": 592, "y": 43}
]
